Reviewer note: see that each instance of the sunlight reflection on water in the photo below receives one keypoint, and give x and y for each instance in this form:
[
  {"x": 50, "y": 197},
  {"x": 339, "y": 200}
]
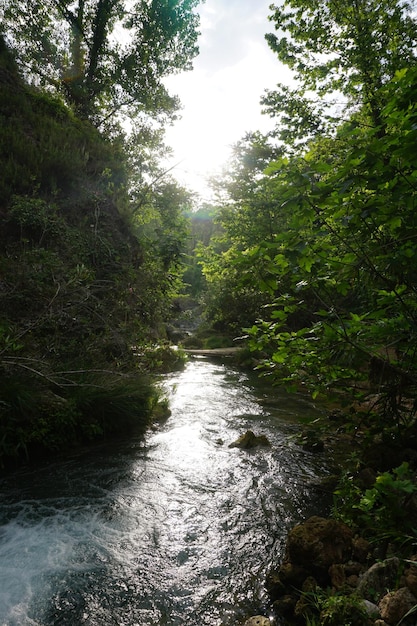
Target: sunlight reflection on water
[{"x": 176, "y": 530}]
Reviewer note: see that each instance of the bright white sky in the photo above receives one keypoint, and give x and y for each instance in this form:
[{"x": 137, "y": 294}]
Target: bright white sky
[{"x": 221, "y": 95}]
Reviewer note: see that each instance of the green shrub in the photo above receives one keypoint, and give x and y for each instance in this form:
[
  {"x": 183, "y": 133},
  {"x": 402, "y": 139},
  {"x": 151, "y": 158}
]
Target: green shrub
[
  {"x": 380, "y": 512},
  {"x": 161, "y": 357},
  {"x": 114, "y": 405},
  {"x": 324, "y": 607},
  {"x": 37, "y": 419},
  {"x": 347, "y": 610}
]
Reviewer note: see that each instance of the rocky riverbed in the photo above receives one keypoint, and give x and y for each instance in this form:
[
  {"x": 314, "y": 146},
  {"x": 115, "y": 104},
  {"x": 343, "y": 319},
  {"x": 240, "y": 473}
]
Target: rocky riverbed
[{"x": 331, "y": 574}]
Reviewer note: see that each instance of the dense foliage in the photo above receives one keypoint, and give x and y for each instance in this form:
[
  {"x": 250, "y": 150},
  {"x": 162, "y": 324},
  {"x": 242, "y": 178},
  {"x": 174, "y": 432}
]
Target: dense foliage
[
  {"x": 320, "y": 229},
  {"x": 91, "y": 241},
  {"x": 340, "y": 54},
  {"x": 104, "y": 56}
]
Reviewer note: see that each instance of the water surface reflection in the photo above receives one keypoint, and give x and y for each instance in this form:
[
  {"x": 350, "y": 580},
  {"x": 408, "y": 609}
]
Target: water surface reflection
[{"x": 178, "y": 529}]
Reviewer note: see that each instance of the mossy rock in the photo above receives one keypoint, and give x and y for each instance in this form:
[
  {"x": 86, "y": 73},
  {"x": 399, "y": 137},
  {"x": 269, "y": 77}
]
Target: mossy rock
[{"x": 249, "y": 440}]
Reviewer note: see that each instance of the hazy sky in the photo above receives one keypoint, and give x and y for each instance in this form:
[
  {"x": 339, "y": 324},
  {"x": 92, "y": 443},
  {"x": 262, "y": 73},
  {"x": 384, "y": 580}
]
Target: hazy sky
[{"x": 221, "y": 95}]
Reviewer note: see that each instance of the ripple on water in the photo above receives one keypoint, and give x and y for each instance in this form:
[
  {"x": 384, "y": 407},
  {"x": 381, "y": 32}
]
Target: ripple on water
[{"x": 178, "y": 530}]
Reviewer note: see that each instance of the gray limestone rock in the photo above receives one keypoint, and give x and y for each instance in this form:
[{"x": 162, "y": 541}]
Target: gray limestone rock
[{"x": 378, "y": 578}]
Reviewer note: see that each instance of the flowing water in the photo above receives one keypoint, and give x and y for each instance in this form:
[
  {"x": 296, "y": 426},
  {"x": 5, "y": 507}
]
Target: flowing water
[{"x": 178, "y": 529}]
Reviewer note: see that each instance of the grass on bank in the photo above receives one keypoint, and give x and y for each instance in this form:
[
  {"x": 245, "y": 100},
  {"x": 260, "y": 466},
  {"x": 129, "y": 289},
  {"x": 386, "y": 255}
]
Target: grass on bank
[{"x": 39, "y": 420}]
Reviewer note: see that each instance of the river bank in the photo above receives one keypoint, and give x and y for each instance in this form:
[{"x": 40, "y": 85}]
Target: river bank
[{"x": 357, "y": 567}]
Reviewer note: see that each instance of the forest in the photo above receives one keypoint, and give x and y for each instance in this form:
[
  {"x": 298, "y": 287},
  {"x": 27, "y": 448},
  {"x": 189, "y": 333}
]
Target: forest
[
  {"x": 312, "y": 262},
  {"x": 315, "y": 260},
  {"x": 308, "y": 258},
  {"x": 92, "y": 230}
]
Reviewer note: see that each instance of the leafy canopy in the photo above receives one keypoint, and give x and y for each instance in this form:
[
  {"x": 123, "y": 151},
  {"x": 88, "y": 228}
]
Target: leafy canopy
[
  {"x": 341, "y": 53},
  {"x": 104, "y": 55},
  {"x": 322, "y": 228}
]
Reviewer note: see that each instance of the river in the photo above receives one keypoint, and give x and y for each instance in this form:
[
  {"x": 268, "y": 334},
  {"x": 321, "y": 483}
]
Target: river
[{"x": 177, "y": 529}]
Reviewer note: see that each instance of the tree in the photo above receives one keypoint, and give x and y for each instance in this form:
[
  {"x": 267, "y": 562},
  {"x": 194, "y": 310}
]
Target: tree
[
  {"x": 341, "y": 53},
  {"x": 104, "y": 55},
  {"x": 86, "y": 284},
  {"x": 326, "y": 232},
  {"x": 201, "y": 231},
  {"x": 350, "y": 250},
  {"x": 249, "y": 217}
]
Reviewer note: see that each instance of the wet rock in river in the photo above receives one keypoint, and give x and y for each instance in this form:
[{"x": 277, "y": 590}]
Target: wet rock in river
[{"x": 250, "y": 440}]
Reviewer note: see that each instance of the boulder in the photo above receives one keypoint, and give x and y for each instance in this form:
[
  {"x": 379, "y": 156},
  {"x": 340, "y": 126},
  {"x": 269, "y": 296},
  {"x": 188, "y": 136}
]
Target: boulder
[
  {"x": 285, "y": 605},
  {"x": 250, "y": 440},
  {"x": 396, "y": 604},
  {"x": 305, "y": 606},
  {"x": 361, "y": 549},
  {"x": 319, "y": 543},
  {"x": 345, "y": 575},
  {"x": 318, "y": 553},
  {"x": 371, "y": 609},
  {"x": 337, "y": 575},
  {"x": 378, "y": 578},
  {"x": 285, "y": 579}
]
